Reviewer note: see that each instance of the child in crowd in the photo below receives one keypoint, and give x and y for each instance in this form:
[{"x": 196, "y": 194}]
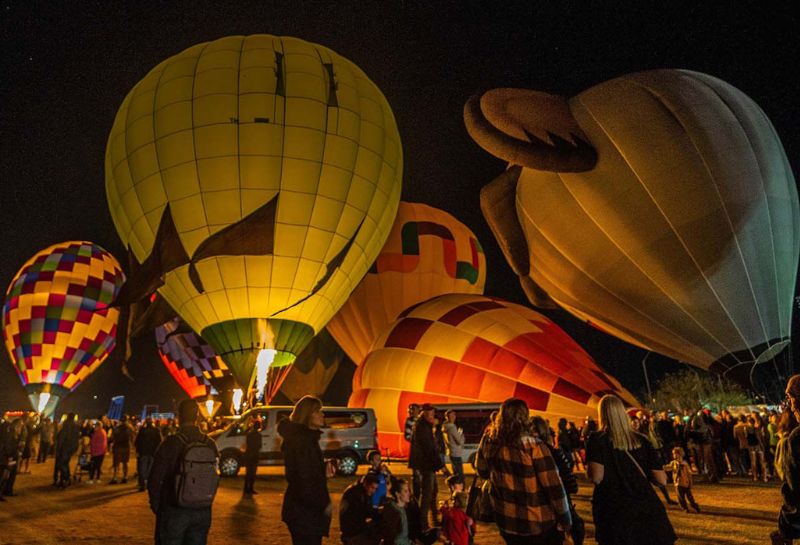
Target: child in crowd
[
  {"x": 682, "y": 477},
  {"x": 381, "y": 471},
  {"x": 457, "y": 527}
]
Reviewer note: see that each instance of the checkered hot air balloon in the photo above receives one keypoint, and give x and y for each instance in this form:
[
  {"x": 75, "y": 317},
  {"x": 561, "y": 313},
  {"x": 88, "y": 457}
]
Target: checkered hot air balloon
[
  {"x": 462, "y": 348},
  {"x": 57, "y": 324},
  {"x": 190, "y": 360},
  {"x": 184, "y": 364},
  {"x": 428, "y": 253}
]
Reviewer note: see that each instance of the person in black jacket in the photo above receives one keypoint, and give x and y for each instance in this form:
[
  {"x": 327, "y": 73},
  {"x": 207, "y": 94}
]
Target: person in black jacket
[
  {"x": 177, "y": 525},
  {"x": 147, "y": 441},
  {"x": 251, "y": 452},
  {"x": 66, "y": 445},
  {"x": 306, "y": 503},
  {"x": 356, "y": 513},
  {"x": 425, "y": 458}
]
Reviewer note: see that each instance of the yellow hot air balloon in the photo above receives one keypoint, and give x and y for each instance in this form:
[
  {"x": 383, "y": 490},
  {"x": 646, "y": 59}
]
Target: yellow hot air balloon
[
  {"x": 255, "y": 180},
  {"x": 462, "y": 348},
  {"x": 428, "y": 253},
  {"x": 659, "y": 206},
  {"x": 57, "y": 322}
]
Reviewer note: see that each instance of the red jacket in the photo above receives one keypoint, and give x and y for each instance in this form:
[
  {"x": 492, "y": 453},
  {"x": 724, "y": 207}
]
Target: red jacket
[{"x": 455, "y": 525}]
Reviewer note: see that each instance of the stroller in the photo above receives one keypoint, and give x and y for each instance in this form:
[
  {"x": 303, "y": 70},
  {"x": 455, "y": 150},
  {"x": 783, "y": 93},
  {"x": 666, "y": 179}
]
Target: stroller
[{"x": 84, "y": 464}]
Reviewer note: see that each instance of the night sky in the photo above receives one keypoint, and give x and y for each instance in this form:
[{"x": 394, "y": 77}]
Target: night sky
[{"x": 66, "y": 70}]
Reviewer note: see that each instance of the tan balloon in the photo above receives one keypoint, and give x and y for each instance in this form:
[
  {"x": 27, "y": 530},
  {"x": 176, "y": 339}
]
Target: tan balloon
[{"x": 659, "y": 206}]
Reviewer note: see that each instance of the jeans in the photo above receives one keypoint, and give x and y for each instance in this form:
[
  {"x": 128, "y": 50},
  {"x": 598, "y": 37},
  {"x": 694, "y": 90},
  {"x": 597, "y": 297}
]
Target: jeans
[
  {"x": 143, "y": 465},
  {"x": 97, "y": 465},
  {"x": 458, "y": 466},
  {"x": 177, "y": 526},
  {"x": 427, "y": 502}
]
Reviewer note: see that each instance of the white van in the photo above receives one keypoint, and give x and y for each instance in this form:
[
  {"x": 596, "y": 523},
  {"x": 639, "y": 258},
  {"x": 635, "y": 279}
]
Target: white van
[
  {"x": 347, "y": 436},
  {"x": 472, "y": 418}
]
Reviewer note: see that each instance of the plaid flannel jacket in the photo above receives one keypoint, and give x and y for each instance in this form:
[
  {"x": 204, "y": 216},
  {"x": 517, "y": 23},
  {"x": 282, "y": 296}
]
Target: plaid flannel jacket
[{"x": 527, "y": 494}]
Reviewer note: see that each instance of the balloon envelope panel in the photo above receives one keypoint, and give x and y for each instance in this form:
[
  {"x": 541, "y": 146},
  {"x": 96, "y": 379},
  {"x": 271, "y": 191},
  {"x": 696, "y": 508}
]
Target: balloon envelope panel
[
  {"x": 428, "y": 253},
  {"x": 469, "y": 349},
  {"x": 187, "y": 358},
  {"x": 57, "y": 322},
  {"x": 684, "y": 237},
  {"x": 258, "y": 138}
]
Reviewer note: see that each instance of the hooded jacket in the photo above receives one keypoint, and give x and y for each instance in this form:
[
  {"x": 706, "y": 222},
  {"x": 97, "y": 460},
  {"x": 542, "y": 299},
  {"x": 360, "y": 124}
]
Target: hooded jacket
[{"x": 306, "y": 498}]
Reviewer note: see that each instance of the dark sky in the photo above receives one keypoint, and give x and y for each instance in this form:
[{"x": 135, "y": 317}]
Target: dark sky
[{"x": 66, "y": 67}]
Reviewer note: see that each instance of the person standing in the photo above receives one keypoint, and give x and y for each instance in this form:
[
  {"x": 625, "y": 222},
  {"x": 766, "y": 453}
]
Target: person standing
[
  {"x": 408, "y": 431},
  {"x": 787, "y": 468},
  {"x": 181, "y": 493},
  {"x": 46, "y": 436},
  {"x": 425, "y": 459},
  {"x": 454, "y": 437},
  {"x": 682, "y": 477},
  {"x": 98, "y": 446},
  {"x": 307, "y": 505},
  {"x": 528, "y": 498},
  {"x": 121, "y": 439},
  {"x": 147, "y": 441},
  {"x": 66, "y": 445},
  {"x": 564, "y": 465},
  {"x": 621, "y": 463},
  {"x": 9, "y": 454},
  {"x": 253, "y": 442}
]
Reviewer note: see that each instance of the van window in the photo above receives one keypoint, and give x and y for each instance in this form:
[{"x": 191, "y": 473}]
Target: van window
[
  {"x": 241, "y": 426},
  {"x": 343, "y": 420},
  {"x": 473, "y": 422}
]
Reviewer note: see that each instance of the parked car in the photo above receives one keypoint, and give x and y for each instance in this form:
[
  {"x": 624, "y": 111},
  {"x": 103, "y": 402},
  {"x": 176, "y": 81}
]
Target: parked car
[{"x": 347, "y": 436}]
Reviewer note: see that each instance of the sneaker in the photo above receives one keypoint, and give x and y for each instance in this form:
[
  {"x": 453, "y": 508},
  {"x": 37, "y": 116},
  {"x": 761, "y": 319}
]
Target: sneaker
[
  {"x": 124, "y": 481},
  {"x": 112, "y": 481},
  {"x": 697, "y": 508}
]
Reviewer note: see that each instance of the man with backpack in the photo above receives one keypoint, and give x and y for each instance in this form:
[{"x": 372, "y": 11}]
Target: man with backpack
[{"x": 183, "y": 482}]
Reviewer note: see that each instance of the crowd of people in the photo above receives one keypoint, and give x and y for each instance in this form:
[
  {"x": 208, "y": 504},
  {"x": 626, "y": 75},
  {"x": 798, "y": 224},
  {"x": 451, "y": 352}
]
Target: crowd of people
[{"x": 524, "y": 478}]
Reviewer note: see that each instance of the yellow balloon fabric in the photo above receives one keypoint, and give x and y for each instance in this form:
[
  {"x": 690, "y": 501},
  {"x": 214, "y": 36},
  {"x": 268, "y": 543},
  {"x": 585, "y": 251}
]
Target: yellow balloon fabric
[
  {"x": 462, "y": 348},
  {"x": 428, "y": 253},
  {"x": 57, "y": 322},
  {"x": 278, "y": 166},
  {"x": 683, "y": 238}
]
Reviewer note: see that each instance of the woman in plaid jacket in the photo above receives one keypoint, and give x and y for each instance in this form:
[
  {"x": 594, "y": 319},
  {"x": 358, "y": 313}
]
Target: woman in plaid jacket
[{"x": 530, "y": 505}]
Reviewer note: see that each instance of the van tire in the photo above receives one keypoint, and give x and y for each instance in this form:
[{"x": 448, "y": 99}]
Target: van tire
[
  {"x": 346, "y": 463},
  {"x": 229, "y": 464}
]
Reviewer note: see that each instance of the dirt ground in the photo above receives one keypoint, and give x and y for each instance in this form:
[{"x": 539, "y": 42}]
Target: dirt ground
[{"x": 736, "y": 512}]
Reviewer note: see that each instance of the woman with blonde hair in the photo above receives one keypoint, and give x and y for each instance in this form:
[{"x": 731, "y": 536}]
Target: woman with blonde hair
[
  {"x": 306, "y": 503},
  {"x": 621, "y": 462},
  {"x": 529, "y": 502}
]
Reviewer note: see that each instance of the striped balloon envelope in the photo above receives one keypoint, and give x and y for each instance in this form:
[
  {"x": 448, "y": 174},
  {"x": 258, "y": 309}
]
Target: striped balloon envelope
[
  {"x": 57, "y": 324},
  {"x": 190, "y": 360},
  {"x": 428, "y": 253},
  {"x": 462, "y": 348}
]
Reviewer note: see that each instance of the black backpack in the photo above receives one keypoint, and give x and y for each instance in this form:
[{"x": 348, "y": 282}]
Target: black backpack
[{"x": 196, "y": 479}]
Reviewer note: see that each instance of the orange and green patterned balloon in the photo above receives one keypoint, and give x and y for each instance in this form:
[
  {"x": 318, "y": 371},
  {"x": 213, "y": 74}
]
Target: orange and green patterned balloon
[{"x": 57, "y": 322}]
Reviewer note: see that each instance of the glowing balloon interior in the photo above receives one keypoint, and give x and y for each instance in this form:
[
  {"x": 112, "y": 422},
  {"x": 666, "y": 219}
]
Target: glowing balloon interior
[
  {"x": 428, "y": 253},
  {"x": 470, "y": 348},
  {"x": 254, "y": 180},
  {"x": 57, "y": 324},
  {"x": 659, "y": 206}
]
